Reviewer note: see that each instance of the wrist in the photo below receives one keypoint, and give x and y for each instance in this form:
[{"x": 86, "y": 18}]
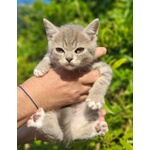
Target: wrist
[
  {"x": 28, "y": 96},
  {"x": 25, "y": 108},
  {"x": 32, "y": 89}
]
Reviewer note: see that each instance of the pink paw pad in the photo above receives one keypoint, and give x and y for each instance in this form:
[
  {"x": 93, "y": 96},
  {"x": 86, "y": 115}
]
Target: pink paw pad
[
  {"x": 101, "y": 128},
  {"x": 97, "y": 128},
  {"x": 36, "y": 119}
]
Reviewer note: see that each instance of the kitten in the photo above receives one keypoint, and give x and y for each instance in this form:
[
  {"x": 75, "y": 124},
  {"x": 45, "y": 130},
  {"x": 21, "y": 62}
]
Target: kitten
[{"x": 71, "y": 49}]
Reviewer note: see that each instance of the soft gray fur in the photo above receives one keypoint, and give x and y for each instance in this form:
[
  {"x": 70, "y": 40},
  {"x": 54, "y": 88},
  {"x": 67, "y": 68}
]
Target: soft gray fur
[{"x": 71, "y": 50}]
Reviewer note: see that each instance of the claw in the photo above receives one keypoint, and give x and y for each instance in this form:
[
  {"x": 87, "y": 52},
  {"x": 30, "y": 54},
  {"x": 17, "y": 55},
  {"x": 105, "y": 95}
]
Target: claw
[{"x": 93, "y": 105}]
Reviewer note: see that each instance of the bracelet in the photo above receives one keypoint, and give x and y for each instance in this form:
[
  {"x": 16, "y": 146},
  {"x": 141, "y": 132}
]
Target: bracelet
[{"x": 28, "y": 96}]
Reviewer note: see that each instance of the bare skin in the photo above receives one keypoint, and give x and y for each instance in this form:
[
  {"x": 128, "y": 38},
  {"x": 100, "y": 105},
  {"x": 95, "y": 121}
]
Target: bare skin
[{"x": 43, "y": 92}]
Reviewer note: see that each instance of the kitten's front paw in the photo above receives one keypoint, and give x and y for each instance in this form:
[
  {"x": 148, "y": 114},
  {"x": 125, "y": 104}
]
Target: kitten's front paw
[
  {"x": 41, "y": 69},
  {"x": 93, "y": 105},
  {"x": 101, "y": 127},
  {"x": 36, "y": 119}
]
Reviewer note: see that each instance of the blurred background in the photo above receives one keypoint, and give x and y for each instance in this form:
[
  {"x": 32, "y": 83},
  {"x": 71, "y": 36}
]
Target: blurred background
[{"x": 115, "y": 33}]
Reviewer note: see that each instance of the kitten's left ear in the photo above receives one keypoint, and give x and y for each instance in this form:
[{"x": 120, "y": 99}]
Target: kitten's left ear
[{"x": 92, "y": 29}]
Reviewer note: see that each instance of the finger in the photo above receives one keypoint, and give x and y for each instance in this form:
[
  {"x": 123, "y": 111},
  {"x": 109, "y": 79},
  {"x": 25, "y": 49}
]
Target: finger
[
  {"x": 102, "y": 112},
  {"x": 100, "y": 51},
  {"x": 101, "y": 118},
  {"x": 83, "y": 98},
  {"x": 85, "y": 89},
  {"x": 90, "y": 77}
]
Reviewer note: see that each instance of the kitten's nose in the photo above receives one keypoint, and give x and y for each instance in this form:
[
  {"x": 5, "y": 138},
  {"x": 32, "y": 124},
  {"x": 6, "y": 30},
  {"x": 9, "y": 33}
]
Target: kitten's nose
[{"x": 69, "y": 59}]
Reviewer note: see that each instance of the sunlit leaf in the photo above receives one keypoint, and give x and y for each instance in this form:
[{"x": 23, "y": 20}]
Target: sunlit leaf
[{"x": 118, "y": 63}]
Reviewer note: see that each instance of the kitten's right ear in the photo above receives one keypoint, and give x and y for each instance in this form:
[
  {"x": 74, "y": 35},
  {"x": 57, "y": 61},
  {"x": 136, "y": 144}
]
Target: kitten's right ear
[{"x": 51, "y": 29}]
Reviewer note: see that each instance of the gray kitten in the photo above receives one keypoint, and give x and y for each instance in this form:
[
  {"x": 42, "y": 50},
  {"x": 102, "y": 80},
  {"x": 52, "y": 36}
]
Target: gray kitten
[{"x": 71, "y": 50}]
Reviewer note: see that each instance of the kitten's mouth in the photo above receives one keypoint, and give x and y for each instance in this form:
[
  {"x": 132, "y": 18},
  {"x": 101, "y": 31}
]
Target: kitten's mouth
[{"x": 69, "y": 66}]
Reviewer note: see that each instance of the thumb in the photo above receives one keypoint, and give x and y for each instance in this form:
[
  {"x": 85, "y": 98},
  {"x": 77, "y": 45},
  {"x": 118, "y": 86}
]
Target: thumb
[{"x": 100, "y": 51}]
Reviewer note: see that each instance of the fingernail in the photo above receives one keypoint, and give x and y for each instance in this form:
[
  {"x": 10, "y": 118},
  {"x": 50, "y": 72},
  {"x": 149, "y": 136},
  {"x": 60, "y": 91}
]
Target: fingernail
[{"x": 105, "y": 50}]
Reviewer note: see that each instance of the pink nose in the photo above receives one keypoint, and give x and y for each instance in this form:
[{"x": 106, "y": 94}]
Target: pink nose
[{"x": 69, "y": 59}]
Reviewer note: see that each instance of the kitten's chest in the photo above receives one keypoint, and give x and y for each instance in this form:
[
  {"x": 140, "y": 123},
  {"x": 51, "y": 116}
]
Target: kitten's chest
[{"x": 73, "y": 75}]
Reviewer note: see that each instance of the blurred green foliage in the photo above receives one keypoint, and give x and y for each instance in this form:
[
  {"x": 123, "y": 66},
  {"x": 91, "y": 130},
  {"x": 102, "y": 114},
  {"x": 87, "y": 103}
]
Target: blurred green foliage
[{"x": 116, "y": 34}]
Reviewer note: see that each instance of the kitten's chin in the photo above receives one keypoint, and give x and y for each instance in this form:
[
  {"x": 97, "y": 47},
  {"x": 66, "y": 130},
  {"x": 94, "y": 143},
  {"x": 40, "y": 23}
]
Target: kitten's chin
[{"x": 69, "y": 67}]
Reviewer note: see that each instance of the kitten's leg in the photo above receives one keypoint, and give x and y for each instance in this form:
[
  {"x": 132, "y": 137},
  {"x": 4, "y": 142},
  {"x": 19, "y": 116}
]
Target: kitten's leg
[
  {"x": 95, "y": 99},
  {"x": 43, "y": 67},
  {"x": 85, "y": 122},
  {"x": 89, "y": 130},
  {"x": 46, "y": 123}
]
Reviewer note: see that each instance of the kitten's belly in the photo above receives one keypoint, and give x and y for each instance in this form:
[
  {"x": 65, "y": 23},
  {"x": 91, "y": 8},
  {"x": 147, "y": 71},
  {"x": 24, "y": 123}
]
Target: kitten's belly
[
  {"x": 79, "y": 119},
  {"x": 81, "y": 127}
]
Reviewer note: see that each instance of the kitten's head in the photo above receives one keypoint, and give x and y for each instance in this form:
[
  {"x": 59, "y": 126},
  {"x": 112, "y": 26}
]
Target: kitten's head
[{"x": 72, "y": 46}]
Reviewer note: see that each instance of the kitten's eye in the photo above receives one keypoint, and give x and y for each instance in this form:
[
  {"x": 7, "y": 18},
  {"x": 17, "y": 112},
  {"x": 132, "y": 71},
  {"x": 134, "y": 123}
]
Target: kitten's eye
[
  {"x": 79, "y": 50},
  {"x": 60, "y": 50}
]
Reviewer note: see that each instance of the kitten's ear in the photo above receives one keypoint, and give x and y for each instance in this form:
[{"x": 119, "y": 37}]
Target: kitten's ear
[
  {"x": 51, "y": 29},
  {"x": 92, "y": 29}
]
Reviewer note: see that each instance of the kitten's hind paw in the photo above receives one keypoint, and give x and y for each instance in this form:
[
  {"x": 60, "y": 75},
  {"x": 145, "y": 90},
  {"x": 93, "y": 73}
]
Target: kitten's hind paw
[
  {"x": 36, "y": 119},
  {"x": 101, "y": 128},
  {"x": 93, "y": 105}
]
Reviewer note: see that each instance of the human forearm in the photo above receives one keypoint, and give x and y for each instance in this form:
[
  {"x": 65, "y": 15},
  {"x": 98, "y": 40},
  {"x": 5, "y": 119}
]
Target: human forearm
[{"x": 25, "y": 108}]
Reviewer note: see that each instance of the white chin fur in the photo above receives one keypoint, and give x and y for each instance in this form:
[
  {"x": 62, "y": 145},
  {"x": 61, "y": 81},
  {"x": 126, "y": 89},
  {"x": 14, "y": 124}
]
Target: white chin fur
[{"x": 69, "y": 67}]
